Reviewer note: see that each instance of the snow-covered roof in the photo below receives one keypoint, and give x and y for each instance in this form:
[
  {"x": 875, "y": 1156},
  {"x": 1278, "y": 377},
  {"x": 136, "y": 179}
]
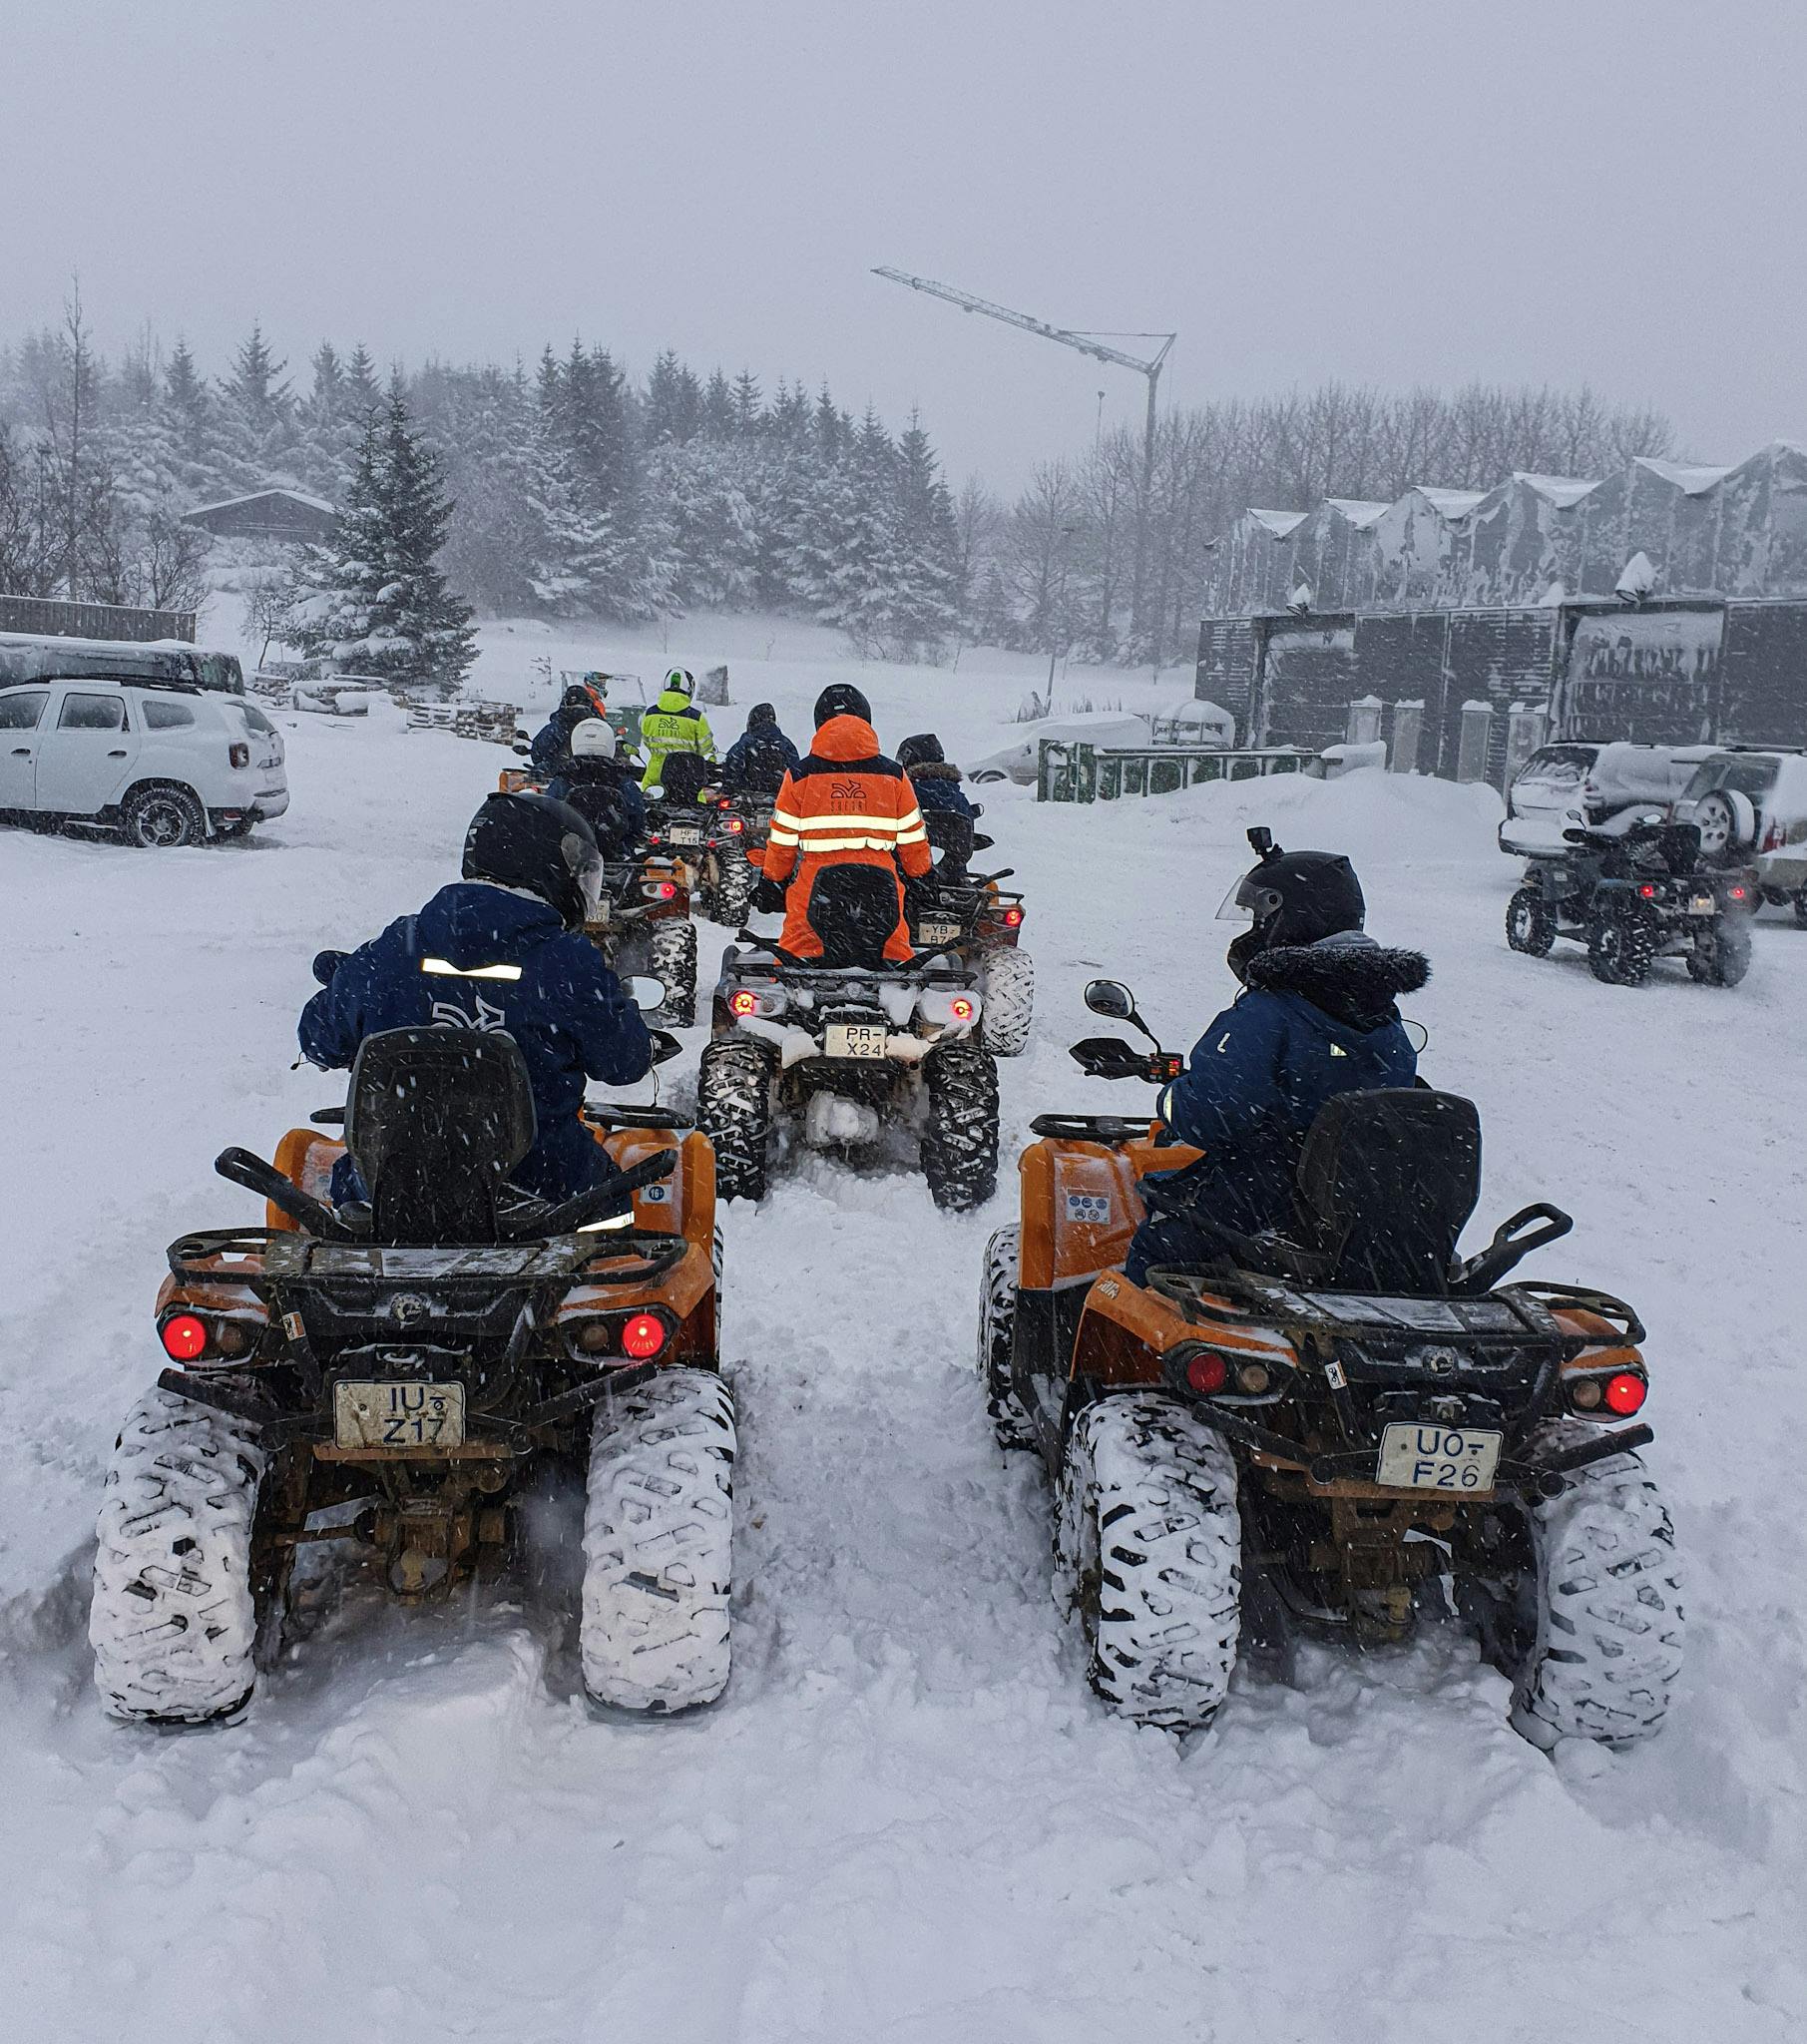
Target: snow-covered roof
[
  {"x": 1564, "y": 491},
  {"x": 1453, "y": 504},
  {"x": 1690, "y": 481},
  {"x": 1358, "y": 510},
  {"x": 263, "y": 496},
  {"x": 1282, "y": 524}
]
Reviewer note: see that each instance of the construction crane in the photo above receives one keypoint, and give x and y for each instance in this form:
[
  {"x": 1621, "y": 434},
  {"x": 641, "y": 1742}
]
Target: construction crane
[{"x": 1088, "y": 344}]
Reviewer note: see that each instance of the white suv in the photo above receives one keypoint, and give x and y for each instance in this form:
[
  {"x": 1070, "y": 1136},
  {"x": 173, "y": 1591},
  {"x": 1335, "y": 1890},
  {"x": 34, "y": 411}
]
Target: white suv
[{"x": 163, "y": 765}]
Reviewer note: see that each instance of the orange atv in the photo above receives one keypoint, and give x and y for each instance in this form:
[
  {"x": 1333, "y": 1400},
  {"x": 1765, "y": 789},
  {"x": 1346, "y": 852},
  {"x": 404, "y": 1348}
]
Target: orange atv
[
  {"x": 393, "y": 1373},
  {"x": 1326, "y": 1428}
]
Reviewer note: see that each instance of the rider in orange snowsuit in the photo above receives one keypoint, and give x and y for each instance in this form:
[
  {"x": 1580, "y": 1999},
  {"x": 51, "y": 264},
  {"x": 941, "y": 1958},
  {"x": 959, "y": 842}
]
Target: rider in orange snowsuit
[{"x": 844, "y": 822}]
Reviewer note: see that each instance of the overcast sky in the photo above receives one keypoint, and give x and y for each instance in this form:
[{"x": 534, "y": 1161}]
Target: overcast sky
[{"x": 1385, "y": 193}]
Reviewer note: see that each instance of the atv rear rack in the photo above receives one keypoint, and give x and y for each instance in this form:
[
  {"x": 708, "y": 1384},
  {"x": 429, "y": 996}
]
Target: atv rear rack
[{"x": 274, "y": 1255}]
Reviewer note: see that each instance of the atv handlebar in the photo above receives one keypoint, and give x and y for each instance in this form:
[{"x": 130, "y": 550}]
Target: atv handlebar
[{"x": 1109, "y": 1057}]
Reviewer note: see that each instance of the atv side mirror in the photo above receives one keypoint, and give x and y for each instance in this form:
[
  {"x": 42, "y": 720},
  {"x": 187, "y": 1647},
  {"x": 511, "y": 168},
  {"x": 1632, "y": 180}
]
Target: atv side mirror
[
  {"x": 521, "y": 747},
  {"x": 1109, "y": 997},
  {"x": 646, "y": 993}
]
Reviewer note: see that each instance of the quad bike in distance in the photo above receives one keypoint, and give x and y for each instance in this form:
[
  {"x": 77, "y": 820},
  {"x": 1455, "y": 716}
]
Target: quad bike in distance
[
  {"x": 392, "y": 1373},
  {"x": 1634, "y": 897},
  {"x": 981, "y": 923},
  {"x": 735, "y": 831},
  {"x": 841, "y": 1054},
  {"x": 642, "y": 926},
  {"x": 1315, "y": 1432}
]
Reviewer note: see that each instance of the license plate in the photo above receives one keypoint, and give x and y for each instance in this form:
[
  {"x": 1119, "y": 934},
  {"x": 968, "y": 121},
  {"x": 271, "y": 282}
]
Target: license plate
[
  {"x": 1703, "y": 904},
  {"x": 938, "y": 932},
  {"x": 1420, "y": 1456},
  {"x": 685, "y": 834},
  {"x": 403, "y": 1416},
  {"x": 855, "y": 1040}
]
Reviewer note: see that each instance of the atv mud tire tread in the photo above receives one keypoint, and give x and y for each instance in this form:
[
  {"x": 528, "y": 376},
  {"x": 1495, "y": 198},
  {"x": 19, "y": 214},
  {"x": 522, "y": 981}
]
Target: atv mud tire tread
[
  {"x": 1531, "y": 925},
  {"x": 1148, "y": 1553},
  {"x": 731, "y": 899},
  {"x": 1726, "y": 958},
  {"x": 959, "y": 1137},
  {"x": 1621, "y": 948},
  {"x": 1608, "y": 1640},
  {"x": 658, "y": 1545},
  {"x": 1009, "y": 1002},
  {"x": 174, "y": 1622},
  {"x": 997, "y": 1284},
  {"x": 734, "y": 1110},
  {"x": 671, "y": 958}
]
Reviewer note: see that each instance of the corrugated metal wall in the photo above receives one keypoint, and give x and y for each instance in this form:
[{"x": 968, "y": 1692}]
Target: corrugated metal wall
[{"x": 56, "y": 619}]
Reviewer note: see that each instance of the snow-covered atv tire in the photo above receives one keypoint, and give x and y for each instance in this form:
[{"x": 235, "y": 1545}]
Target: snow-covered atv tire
[
  {"x": 1009, "y": 1002},
  {"x": 174, "y": 1622},
  {"x": 997, "y": 1327},
  {"x": 658, "y": 1530},
  {"x": 735, "y": 1111},
  {"x": 731, "y": 897},
  {"x": 671, "y": 958},
  {"x": 1622, "y": 946},
  {"x": 1607, "y": 1589},
  {"x": 1721, "y": 957},
  {"x": 1530, "y": 926},
  {"x": 1149, "y": 1554},
  {"x": 959, "y": 1137}
]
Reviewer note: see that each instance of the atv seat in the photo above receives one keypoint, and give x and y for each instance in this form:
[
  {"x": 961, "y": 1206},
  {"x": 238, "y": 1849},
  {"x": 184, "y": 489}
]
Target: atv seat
[
  {"x": 682, "y": 778},
  {"x": 1387, "y": 1181},
  {"x": 435, "y": 1121}
]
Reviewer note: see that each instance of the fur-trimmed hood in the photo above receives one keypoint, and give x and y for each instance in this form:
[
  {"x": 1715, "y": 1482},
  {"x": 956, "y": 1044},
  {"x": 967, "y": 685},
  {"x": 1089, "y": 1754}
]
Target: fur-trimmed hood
[
  {"x": 934, "y": 770},
  {"x": 1352, "y": 979}
]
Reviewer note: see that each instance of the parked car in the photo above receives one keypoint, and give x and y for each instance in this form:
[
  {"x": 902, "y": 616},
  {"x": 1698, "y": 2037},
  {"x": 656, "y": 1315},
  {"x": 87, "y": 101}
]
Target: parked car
[
  {"x": 163, "y": 765},
  {"x": 1750, "y": 807},
  {"x": 1592, "y": 785},
  {"x": 1184, "y": 722}
]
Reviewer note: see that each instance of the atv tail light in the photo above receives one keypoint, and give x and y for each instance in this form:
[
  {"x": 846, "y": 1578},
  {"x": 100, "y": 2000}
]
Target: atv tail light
[
  {"x": 643, "y": 1336},
  {"x": 1737, "y": 894},
  {"x": 240, "y": 755},
  {"x": 1252, "y": 1378},
  {"x": 735, "y": 825},
  {"x": 1585, "y": 1395},
  {"x": 1647, "y": 892},
  {"x": 744, "y": 1003},
  {"x": 1206, "y": 1373},
  {"x": 1012, "y": 916},
  {"x": 960, "y": 1009},
  {"x": 184, "y": 1336},
  {"x": 1625, "y": 1393},
  {"x": 663, "y": 890}
]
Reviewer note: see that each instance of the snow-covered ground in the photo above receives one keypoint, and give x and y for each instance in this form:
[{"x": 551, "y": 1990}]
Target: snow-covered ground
[{"x": 907, "y": 1820}]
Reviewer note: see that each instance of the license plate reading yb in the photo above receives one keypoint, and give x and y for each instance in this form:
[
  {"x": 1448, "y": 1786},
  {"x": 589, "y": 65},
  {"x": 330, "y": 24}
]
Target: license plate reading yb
[
  {"x": 938, "y": 932},
  {"x": 1430, "y": 1457},
  {"x": 855, "y": 1040},
  {"x": 403, "y": 1416}
]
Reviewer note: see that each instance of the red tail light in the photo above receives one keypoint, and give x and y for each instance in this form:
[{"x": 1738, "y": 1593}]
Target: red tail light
[
  {"x": 665, "y": 890},
  {"x": 1625, "y": 1393},
  {"x": 643, "y": 1336},
  {"x": 960, "y": 1009},
  {"x": 1737, "y": 894},
  {"x": 745, "y": 1003},
  {"x": 184, "y": 1336},
  {"x": 735, "y": 825},
  {"x": 1206, "y": 1373},
  {"x": 1012, "y": 916},
  {"x": 1647, "y": 891}
]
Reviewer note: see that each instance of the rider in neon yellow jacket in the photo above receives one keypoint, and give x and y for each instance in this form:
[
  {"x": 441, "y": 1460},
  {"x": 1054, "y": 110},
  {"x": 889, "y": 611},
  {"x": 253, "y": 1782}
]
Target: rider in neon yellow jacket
[{"x": 674, "y": 725}]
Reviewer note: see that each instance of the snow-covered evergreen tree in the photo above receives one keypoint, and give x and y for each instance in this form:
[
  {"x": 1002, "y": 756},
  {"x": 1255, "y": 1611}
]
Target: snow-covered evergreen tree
[
  {"x": 373, "y": 599},
  {"x": 925, "y": 603},
  {"x": 258, "y": 416}
]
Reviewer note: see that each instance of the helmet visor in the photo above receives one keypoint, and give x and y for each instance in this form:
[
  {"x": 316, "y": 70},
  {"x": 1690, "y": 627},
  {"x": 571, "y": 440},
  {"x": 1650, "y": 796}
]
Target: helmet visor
[
  {"x": 586, "y": 865},
  {"x": 1249, "y": 900}
]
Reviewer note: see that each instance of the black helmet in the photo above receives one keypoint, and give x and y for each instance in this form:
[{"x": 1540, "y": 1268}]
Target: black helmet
[
  {"x": 841, "y": 699},
  {"x": 542, "y": 846},
  {"x": 1294, "y": 897},
  {"x": 761, "y": 714},
  {"x": 924, "y": 749},
  {"x": 586, "y": 696}
]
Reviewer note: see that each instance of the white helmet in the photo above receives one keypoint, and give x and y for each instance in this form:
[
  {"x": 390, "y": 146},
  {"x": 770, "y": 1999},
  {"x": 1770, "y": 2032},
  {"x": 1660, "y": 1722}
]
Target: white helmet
[{"x": 592, "y": 739}]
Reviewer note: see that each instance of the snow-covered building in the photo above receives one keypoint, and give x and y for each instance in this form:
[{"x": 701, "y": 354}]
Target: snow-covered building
[
  {"x": 1667, "y": 603},
  {"x": 274, "y": 513}
]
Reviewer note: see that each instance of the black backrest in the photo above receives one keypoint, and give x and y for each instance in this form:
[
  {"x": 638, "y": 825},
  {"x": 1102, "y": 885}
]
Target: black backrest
[
  {"x": 604, "y": 806},
  {"x": 436, "y": 1121},
  {"x": 683, "y": 776},
  {"x": 950, "y": 833},
  {"x": 1386, "y": 1185}
]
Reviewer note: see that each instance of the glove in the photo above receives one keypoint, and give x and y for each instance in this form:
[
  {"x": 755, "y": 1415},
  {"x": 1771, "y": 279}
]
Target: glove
[{"x": 769, "y": 897}]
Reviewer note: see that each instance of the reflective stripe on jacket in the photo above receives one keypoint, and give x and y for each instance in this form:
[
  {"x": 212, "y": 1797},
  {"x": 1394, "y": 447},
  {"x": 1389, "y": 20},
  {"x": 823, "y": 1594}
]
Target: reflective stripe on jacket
[{"x": 672, "y": 724}]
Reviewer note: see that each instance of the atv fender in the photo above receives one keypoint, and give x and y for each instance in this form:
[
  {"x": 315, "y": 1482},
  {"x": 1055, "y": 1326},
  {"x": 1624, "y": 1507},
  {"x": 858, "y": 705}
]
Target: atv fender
[
  {"x": 1081, "y": 1205},
  {"x": 1124, "y": 1333}
]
